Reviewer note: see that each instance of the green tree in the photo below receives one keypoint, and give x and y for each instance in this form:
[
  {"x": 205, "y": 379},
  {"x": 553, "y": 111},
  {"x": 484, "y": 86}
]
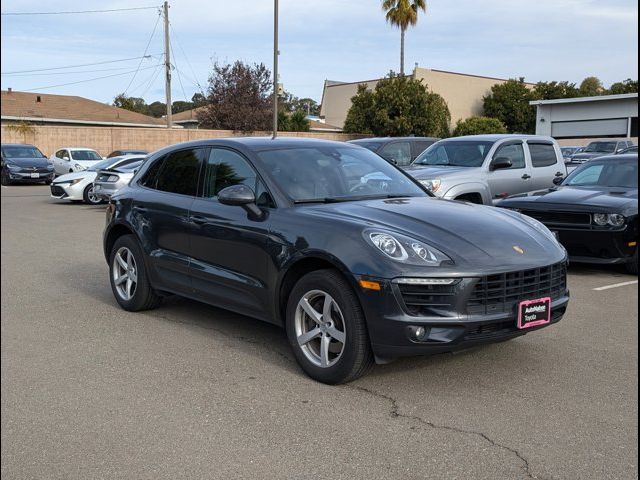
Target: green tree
[
  {"x": 157, "y": 109},
  {"x": 238, "y": 98},
  {"x": 133, "y": 104},
  {"x": 627, "y": 86},
  {"x": 509, "y": 103},
  {"x": 293, "y": 122},
  {"x": 181, "y": 106},
  {"x": 479, "y": 126},
  {"x": 398, "y": 106},
  {"x": 554, "y": 90},
  {"x": 591, "y": 87},
  {"x": 198, "y": 100},
  {"x": 403, "y": 14}
]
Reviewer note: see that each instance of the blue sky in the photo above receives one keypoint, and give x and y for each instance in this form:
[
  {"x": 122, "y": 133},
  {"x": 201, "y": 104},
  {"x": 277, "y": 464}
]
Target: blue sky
[{"x": 320, "y": 39}]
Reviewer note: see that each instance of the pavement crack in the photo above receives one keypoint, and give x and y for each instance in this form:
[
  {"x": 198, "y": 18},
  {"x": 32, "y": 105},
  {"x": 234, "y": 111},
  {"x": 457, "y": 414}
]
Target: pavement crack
[{"x": 395, "y": 413}]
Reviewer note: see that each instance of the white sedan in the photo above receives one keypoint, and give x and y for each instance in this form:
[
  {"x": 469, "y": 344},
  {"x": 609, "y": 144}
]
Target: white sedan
[
  {"x": 78, "y": 186},
  {"x": 68, "y": 160}
]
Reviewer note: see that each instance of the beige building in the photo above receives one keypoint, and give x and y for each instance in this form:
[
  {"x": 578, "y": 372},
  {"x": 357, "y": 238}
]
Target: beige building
[{"x": 463, "y": 93}]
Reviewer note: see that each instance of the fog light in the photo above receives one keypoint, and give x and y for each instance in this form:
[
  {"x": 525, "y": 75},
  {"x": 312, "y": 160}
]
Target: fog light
[{"x": 420, "y": 333}]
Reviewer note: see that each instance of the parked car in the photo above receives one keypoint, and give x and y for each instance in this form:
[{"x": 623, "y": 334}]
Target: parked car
[
  {"x": 346, "y": 251},
  {"x": 68, "y": 160},
  {"x": 398, "y": 150},
  {"x": 633, "y": 149},
  {"x": 600, "y": 148},
  {"x": 78, "y": 186},
  {"x": 594, "y": 211},
  {"x": 110, "y": 180},
  {"x": 23, "y": 163},
  {"x": 486, "y": 168},
  {"x": 122, "y": 153},
  {"x": 568, "y": 152}
]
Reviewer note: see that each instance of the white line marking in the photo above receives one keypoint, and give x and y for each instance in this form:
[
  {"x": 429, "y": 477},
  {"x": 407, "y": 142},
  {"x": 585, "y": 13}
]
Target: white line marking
[{"x": 616, "y": 285}]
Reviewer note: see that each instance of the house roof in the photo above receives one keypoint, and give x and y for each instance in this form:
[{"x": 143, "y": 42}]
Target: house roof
[
  {"x": 316, "y": 126},
  {"x": 188, "y": 116},
  {"x": 44, "y": 107},
  {"x": 599, "y": 98}
]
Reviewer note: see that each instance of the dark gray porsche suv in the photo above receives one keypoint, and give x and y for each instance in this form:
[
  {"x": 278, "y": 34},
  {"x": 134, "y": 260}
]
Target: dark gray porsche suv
[{"x": 345, "y": 251}]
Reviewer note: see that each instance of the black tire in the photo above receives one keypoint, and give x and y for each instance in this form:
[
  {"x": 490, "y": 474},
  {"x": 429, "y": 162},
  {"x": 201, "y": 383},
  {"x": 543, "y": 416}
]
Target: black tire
[
  {"x": 632, "y": 266},
  {"x": 144, "y": 296},
  {"x": 356, "y": 357},
  {"x": 48, "y": 182},
  {"x": 5, "y": 178},
  {"x": 86, "y": 196}
]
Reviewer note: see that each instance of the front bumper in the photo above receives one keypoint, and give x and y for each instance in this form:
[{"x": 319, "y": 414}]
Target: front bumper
[
  {"x": 62, "y": 191},
  {"x": 461, "y": 324},
  {"x": 605, "y": 247},
  {"x": 27, "y": 177}
]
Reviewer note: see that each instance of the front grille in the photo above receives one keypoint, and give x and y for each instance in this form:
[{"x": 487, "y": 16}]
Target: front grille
[
  {"x": 427, "y": 300},
  {"x": 559, "y": 218},
  {"x": 501, "y": 293},
  {"x": 57, "y": 191}
]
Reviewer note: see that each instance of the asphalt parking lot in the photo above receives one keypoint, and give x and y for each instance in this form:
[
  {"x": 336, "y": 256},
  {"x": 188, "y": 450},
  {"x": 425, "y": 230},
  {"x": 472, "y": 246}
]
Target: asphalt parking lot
[{"x": 191, "y": 391}]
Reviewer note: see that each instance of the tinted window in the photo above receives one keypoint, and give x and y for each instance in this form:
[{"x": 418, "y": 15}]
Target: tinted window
[
  {"x": 321, "y": 173},
  {"x": 400, "y": 152},
  {"x": 601, "y": 147},
  {"x": 623, "y": 174},
  {"x": 175, "y": 173},
  {"x": 514, "y": 152},
  {"x": 455, "y": 153},
  {"x": 224, "y": 169},
  {"x": 88, "y": 155},
  {"x": 542, "y": 154},
  {"x": 62, "y": 154},
  {"x": 422, "y": 146}
]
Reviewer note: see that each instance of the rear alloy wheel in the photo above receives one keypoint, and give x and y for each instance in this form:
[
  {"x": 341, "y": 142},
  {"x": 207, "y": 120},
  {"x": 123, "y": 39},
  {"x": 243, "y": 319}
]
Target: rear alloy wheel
[
  {"x": 128, "y": 276},
  {"x": 326, "y": 328},
  {"x": 89, "y": 195}
]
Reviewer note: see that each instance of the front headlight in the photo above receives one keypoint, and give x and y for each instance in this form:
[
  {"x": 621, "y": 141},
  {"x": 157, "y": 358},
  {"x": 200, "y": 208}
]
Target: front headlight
[
  {"x": 12, "y": 166},
  {"x": 78, "y": 167},
  {"x": 613, "y": 219},
  {"x": 432, "y": 185},
  {"x": 405, "y": 249}
]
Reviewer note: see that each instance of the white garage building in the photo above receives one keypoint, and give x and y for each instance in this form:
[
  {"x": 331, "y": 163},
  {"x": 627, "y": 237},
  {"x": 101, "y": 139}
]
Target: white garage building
[{"x": 588, "y": 117}]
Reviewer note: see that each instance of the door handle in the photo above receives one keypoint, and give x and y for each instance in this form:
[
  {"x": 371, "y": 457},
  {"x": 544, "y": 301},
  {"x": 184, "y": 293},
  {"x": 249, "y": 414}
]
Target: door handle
[
  {"x": 199, "y": 220},
  {"x": 559, "y": 174},
  {"x": 526, "y": 176}
]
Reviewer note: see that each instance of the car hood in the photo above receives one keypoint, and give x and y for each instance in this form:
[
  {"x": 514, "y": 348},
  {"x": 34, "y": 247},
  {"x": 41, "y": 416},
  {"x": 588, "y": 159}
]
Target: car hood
[
  {"x": 475, "y": 237},
  {"x": 29, "y": 162},
  {"x": 422, "y": 171},
  {"x": 588, "y": 198},
  {"x": 588, "y": 155},
  {"x": 75, "y": 175},
  {"x": 86, "y": 163}
]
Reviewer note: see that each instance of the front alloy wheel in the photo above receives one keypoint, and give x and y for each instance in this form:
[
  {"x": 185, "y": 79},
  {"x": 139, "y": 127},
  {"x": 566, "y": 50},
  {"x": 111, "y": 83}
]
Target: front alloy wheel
[{"x": 326, "y": 328}]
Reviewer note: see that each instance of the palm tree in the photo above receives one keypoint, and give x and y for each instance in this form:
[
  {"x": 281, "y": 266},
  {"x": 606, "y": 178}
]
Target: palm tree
[{"x": 403, "y": 14}]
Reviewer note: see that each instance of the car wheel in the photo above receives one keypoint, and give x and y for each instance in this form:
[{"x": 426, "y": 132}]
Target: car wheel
[
  {"x": 90, "y": 197},
  {"x": 326, "y": 328},
  {"x": 129, "y": 280},
  {"x": 632, "y": 266},
  {"x": 5, "y": 178}
]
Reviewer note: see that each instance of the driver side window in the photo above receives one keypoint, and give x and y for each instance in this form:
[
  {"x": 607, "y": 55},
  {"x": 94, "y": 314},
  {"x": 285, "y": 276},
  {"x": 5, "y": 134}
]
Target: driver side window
[{"x": 514, "y": 152}]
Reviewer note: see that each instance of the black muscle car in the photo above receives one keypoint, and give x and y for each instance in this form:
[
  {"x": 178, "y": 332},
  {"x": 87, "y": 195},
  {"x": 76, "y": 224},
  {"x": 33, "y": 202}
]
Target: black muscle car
[{"x": 594, "y": 211}]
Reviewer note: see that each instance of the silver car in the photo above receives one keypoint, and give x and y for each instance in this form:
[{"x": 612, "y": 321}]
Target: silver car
[
  {"x": 486, "y": 168},
  {"x": 110, "y": 180}
]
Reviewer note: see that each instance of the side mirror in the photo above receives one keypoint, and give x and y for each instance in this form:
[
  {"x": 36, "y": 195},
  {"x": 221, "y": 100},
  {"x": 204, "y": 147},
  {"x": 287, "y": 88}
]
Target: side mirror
[
  {"x": 240, "y": 196},
  {"x": 558, "y": 180},
  {"x": 500, "y": 163}
]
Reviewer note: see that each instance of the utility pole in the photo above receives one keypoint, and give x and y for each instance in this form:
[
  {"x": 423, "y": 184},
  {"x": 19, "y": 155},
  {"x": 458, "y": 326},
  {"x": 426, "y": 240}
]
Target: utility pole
[
  {"x": 275, "y": 69},
  {"x": 167, "y": 63}
]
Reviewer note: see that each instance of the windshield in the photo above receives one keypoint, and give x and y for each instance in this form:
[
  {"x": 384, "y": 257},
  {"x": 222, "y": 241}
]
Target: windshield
[
  {"x": 103, "y": 164},
  {"x": 373, "y": 146},
  {"x": 87, "y": 155},
  {"x": 328, "y": 173},
  {"x": 622, "y": 174},
  {"x": 21, "y": 152},
  {"x": 601, "y": 147},
  {"x": 455, "y": 153},
  {"x": 130, "y": 166}
]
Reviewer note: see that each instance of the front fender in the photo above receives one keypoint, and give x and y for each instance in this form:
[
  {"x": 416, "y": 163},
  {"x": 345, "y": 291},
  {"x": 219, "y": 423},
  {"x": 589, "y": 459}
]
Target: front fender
[{"x": 470, "y": 187}]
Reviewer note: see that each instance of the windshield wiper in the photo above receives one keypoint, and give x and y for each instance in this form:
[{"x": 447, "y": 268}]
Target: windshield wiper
[{"x": 350, "y": 199}]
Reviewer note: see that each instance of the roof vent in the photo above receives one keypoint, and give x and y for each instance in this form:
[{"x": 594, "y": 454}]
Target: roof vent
[{"x": 9, "y": 90}]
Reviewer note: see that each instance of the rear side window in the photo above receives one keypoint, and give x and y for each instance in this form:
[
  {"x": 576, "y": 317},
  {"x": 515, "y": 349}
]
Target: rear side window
[
  {"x": 175, "y": 173},
  {"x": 542, "y": 154},
  {"x": 400, "y": 152},
  {"x": 422, "y": 146}
]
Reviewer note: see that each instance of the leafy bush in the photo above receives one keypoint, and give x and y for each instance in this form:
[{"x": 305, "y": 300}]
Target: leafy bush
[{"x": 479, "y": 126}]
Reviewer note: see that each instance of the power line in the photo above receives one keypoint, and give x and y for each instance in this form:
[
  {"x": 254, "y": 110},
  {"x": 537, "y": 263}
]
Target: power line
[
  {"x": 146, "y": 81},
  {"x": 112, "y": 69},
  {"x": 81, "y": 65},
  {"x": 85, "y": 80},
  {"x": 78, "y": 11},
  {"x": 153, "y": 80},
  {"x": 153, "y": 32},
  {"x": 175, "y": 62},
  {"x": 175, "y": 35}
]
